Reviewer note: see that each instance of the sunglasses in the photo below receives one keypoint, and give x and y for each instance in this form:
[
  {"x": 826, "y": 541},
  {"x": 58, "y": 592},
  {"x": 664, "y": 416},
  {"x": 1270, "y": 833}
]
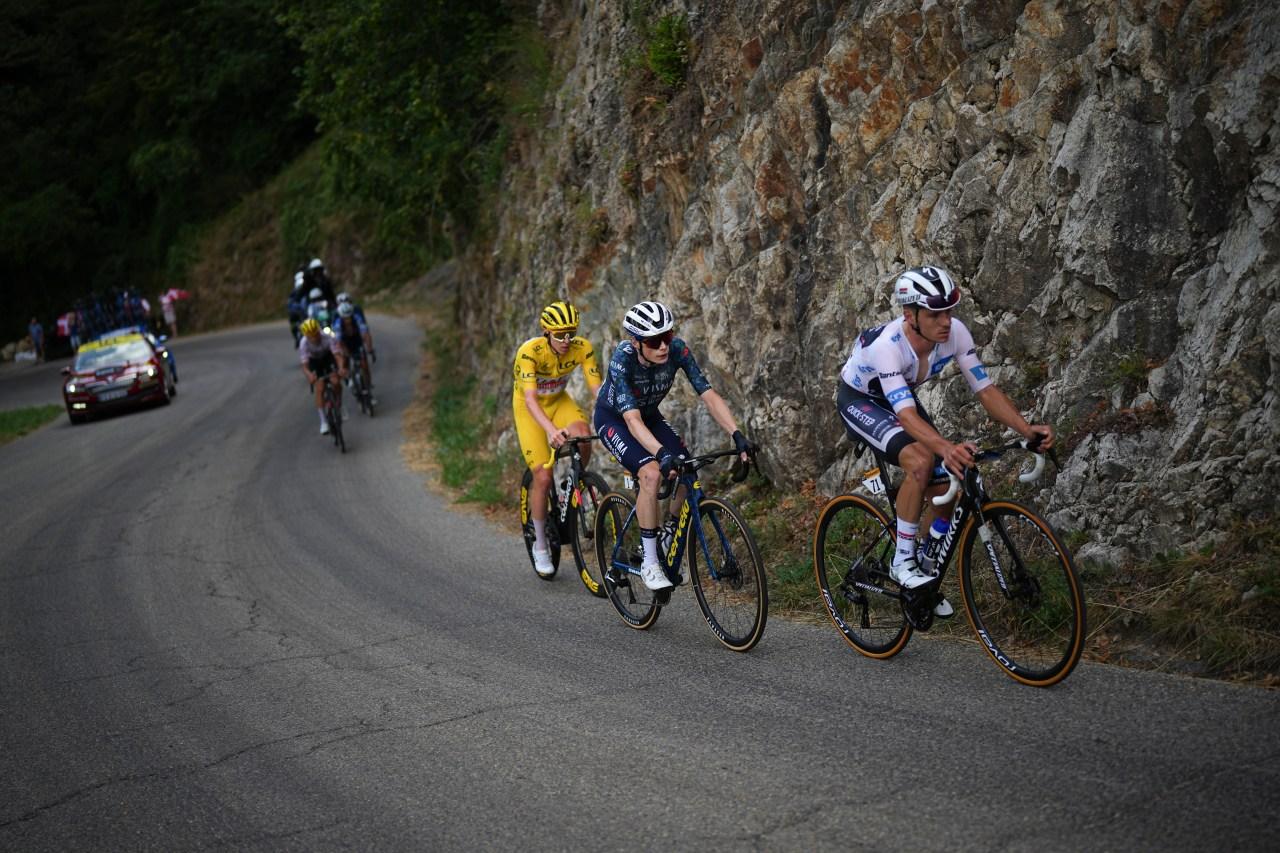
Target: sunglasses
[
  {"x": 563, "y": 337},
  {"x": 656, "y": 341},
  {"x": 942, "y": 303}
]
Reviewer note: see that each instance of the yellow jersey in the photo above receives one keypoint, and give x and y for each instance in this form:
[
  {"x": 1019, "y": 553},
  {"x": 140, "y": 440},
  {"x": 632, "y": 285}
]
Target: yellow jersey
[{"x": 538, "y": 366}]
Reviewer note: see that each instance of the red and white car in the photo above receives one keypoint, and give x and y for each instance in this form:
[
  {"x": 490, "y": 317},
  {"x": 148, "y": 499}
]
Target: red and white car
[{"x": 114, "y": 373}]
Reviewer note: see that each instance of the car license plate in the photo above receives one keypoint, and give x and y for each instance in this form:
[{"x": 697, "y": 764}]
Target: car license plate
[{"x": 112, "y": 395}]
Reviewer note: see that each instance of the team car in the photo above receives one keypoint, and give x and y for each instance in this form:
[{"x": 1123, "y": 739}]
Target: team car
[
  {"x": 116, "y": 372},
  {"x": 158, "y": 344}
]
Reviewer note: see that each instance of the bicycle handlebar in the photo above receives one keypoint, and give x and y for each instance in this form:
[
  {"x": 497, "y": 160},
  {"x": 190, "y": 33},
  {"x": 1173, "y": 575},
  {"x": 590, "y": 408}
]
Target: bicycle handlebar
[
  {"x": 568, "y": 447},
  {"x": 1030, "y": 445},
  {"x": 739, "y": 471}
]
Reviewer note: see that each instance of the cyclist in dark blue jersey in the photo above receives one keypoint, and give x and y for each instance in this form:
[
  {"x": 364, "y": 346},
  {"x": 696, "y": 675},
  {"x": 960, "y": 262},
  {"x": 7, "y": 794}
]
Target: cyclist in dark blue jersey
[{"x": 641, "y": 373}]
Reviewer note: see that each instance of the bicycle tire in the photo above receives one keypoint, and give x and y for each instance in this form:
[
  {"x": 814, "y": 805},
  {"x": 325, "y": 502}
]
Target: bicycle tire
[
  {"x": 1026, "y": 605},
  {"x": 551, "y": 531},
  {"x": 338, "y": 437},
  {"x": 334, "y": 418},
  {"x": 592, "y": 488},
  {"x": 735, "y": 602},
  {"x": 636, "y": 603},
  {"x": 854, "y": 543},
  {"x": 357, "y": 389}
]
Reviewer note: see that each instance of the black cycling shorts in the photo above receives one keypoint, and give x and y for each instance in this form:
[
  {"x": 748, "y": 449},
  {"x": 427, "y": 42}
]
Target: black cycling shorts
[
  {"x": 622, "y": 444},
  {"x": 870, "y": 420},
  {"x": 322, "y": 365}
]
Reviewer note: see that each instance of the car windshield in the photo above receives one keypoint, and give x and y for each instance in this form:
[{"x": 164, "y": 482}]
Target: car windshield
[{"x": 115, "y": 354}]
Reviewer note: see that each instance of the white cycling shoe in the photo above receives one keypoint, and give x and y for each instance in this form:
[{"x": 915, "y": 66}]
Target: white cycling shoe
[
  {"x": 542, "y": 563},
  {"x": 324, "y": 427},
  {"x": 654, "y": 577},
  {"x": 907, "y": 574}
]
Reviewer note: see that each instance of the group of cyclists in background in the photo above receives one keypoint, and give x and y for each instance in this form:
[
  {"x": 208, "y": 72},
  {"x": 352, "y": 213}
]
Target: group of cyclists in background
[{"x": 331, "y": 335}]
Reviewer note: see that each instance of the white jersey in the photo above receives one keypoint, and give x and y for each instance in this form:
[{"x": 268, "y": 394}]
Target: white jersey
[{"x": 883, "y": 364}]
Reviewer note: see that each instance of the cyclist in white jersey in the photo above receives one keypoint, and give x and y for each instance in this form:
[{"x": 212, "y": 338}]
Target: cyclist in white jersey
[{"x": 878, "y": 407}]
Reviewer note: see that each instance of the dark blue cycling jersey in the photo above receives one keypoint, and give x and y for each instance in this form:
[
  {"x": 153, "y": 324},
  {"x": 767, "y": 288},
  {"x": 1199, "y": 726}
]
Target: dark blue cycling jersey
[{"x": 632, "y": 385}]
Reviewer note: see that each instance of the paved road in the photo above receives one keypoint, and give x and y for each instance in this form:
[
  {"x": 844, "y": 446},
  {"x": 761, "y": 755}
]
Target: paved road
[{"x": 215, "y": 632}]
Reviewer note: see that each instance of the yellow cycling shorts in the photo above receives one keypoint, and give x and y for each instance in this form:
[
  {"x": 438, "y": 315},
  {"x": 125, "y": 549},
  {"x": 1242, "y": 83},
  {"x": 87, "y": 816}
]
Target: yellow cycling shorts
[{"x": 534, "y": 445}]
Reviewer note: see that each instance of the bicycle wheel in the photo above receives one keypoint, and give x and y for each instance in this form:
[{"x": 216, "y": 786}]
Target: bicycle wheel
[
  {"x": 1022, "y": 593},
  {"x": 852, "y": 550},
  {"x": 731, "y": 588},
  {"x": 618, "y": 532},
  {"x": 337, "y": 431},
  {"x": 334, "y": 419},
  {"x": 357, "y": 389},
  {"x": 591, "y": 490},
  {"x": 551, "y": 531}
]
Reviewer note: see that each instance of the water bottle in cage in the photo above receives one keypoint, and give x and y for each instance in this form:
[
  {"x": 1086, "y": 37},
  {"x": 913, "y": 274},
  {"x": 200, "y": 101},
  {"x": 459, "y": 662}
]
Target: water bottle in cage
[{"x": 932, "y": 544}]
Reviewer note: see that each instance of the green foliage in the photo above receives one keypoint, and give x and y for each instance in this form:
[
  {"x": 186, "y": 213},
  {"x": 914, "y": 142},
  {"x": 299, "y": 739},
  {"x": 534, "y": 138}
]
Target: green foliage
[
  {"x": 1216, "y": 611},
  {"x": 407, "y": 95},
  {"x": 15, "y": 423},
  {"x": 668, "y": 51}
]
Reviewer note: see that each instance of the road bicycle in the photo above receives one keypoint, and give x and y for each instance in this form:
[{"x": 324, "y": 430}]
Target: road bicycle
[
  {"x": 1020, "y": 586},
  {"x": 729, "y": 582},
  {"x": 362, "y": 392},
  {"x": 332, "y": 411},
  {"x": 572, "y": 501}
]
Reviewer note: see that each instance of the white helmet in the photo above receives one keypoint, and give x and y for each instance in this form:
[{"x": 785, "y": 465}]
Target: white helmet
[
  {"x": 926, "y": 287},
  {"x": 345, "y": 309},
  {"x": 647, "y": 319},
  {"x": 316, "y": 293},
  {"x": 344, "y": 297},
  {"x": 298, "y": 280},
  {"x": 316, "y": 264}
]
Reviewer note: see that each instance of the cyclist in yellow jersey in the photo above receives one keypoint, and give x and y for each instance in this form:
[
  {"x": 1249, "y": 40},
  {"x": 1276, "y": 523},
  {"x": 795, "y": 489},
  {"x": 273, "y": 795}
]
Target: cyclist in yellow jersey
[{"x": 546, "y": 416}]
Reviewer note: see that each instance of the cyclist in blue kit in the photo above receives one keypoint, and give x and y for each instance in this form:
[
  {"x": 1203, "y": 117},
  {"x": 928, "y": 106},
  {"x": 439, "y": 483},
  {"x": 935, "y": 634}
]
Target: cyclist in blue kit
[
  {"x": 641, "y": 373},
  {"x": 876, "y": 402}
]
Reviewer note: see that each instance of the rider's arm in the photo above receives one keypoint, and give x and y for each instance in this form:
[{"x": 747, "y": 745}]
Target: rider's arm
[
  {"x": 636, "y": 426},
  {"x": 995, "y": 401},
  {"x": 535, "y": 409},
  {"x": 719, "y": 410},
  {"x": 591, "y": 370},
  {"x": 1002, "y": 409}
]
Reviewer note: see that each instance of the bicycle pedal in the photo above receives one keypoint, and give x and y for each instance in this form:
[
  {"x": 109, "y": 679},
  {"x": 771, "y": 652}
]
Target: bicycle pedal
[{"x": 662, "y": 596}]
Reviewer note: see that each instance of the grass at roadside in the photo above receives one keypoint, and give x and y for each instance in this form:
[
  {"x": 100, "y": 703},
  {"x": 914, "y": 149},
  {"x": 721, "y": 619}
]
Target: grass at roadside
[
  {"x": 16, "y": 423},
  {"x": 1214, "y": 614}
]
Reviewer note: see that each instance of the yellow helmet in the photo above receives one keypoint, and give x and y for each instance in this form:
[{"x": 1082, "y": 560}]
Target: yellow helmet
[
  {"x": 559, "y": 316},
  {"x": 309, "y": 327}
]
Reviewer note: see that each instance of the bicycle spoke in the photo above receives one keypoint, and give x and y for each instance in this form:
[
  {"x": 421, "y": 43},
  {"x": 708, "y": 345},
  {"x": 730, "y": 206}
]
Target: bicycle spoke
[
  {"x": 728, "y": 576},
  {"x": 591, "y": 491},
  {"x": 617, "y": 538},
  {"x": 853, "y": 547},
  {"x": 1023, "y": 596}
]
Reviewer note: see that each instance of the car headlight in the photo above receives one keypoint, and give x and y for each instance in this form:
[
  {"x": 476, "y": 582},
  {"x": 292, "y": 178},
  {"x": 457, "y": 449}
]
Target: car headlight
[
  {"x": 71, "y": 387},
  {"x": 151, "y": 373}
]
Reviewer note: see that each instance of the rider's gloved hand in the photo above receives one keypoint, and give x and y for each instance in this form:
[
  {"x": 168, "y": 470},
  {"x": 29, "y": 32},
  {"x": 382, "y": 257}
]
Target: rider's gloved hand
[
  {"x": 666, "y": 462},
  {"x": 741, "y": 443}
]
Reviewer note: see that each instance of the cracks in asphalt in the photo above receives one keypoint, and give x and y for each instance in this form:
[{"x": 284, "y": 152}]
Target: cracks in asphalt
[
  {"x": 223, "y": 673},
  {"x": 156, "y": 775},
  {"x": 328, "y": 737}
]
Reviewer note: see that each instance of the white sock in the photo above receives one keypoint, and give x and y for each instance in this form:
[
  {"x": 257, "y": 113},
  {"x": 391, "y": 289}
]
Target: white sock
[
  {"x": 649, "y": 539},
  {"x": 540, "y": 534},
  {"x": 906, "y": 542},
  {"x": 321, "y": 413}
]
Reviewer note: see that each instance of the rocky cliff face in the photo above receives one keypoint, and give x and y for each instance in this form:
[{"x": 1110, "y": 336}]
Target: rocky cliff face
[{"x": 1103, "y": 177}]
